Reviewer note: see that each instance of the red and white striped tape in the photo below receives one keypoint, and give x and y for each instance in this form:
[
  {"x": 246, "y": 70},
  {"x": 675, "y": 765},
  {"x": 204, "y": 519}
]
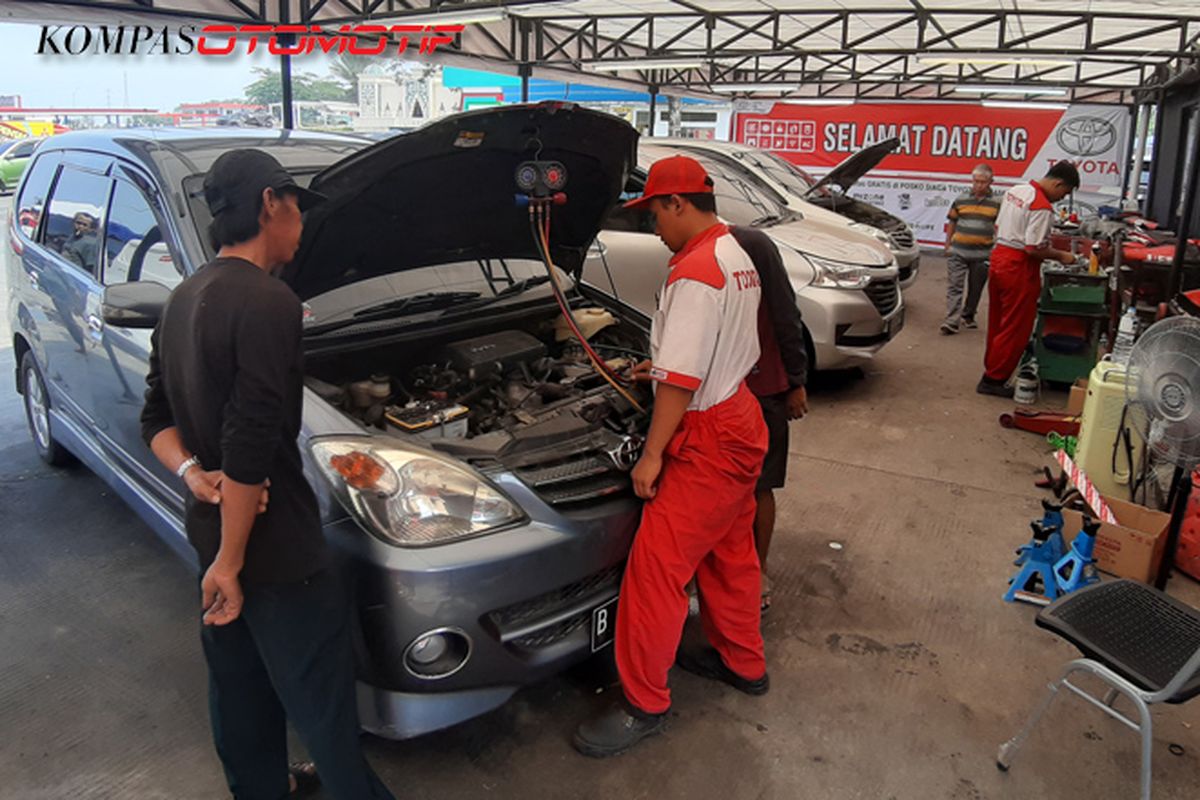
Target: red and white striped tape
[{"x": 1090, "y": 493}]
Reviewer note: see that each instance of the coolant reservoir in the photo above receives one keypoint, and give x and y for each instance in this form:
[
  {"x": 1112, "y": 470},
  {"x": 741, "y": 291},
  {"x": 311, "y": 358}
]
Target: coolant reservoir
[{"x": 590, "y": 321}]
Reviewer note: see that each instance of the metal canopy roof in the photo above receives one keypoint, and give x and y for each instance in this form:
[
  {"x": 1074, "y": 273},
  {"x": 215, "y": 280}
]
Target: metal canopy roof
[{"x": 1093, "y": 50}]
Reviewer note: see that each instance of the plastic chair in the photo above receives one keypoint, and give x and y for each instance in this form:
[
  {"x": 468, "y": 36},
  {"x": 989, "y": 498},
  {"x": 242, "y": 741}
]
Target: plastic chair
[{"x": 1144, "y": 644}]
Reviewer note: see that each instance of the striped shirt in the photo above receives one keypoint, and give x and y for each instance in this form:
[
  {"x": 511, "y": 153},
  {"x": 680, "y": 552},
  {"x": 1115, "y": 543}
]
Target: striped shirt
[{"x": 974, "y": 225}]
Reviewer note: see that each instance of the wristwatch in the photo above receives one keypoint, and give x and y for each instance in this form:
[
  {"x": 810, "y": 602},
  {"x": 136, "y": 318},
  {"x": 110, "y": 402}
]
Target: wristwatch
[{"x": 185, "y": 466}]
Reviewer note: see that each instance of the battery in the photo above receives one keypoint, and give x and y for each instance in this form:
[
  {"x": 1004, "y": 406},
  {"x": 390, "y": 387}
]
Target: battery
[{"x": 430, "y": 418}]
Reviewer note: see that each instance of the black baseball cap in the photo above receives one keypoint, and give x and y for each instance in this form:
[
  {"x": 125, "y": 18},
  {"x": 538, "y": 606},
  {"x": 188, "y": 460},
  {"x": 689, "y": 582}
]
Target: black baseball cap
[{"x": 237, "y": 179}]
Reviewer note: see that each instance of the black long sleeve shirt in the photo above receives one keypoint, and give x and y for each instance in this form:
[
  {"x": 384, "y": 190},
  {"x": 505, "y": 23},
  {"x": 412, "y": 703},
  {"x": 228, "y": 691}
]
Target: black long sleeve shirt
[
  {"x": 783, "y": 364},
  {"x": 226, "y": 369}
]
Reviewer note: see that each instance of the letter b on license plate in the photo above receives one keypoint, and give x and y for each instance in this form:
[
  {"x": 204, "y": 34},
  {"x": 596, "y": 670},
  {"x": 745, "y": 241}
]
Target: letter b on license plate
[{"x": 604, "y": 625}]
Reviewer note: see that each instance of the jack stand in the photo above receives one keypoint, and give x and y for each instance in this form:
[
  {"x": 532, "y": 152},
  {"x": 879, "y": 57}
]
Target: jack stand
[
  {"x": 1037, "y": 560},
  {"x": 1078, "y": 567}
]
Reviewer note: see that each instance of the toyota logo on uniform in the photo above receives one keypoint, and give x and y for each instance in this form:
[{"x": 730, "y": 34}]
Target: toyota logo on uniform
[{"x": 1086, "y": 136}]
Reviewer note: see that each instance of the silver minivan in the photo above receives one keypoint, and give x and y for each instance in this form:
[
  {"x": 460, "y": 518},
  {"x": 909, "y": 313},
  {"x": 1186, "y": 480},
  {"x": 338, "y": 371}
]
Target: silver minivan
[{"x": 846, "y": 281}]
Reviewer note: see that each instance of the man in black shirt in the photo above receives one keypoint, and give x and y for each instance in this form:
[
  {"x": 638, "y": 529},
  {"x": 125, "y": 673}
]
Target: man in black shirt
[
  {"x": 223, "y": 412},
  {"x": 777, "y": 380}
]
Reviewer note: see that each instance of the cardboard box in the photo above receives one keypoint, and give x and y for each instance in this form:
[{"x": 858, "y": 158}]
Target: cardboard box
[
  {"x": 1078, "y": 395},
  {"x": 1131, "y": 549}
]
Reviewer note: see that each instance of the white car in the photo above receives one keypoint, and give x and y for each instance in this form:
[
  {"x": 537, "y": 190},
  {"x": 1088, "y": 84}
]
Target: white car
[
  {"x": 819, "y": 199},
  {"x": 846, "y": 281}
]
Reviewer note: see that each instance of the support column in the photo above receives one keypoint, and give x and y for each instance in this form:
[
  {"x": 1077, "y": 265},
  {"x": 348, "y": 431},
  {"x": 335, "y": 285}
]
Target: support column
[
  {"x": 1139, "y": 152},
  {"x": 286, "y": 40},
  {"x": 653, "y": 109},
  {"x": 525, "y": 70}
]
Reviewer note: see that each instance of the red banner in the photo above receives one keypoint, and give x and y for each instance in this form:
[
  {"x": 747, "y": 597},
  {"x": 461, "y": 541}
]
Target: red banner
[{"x": 947, "y": 138}]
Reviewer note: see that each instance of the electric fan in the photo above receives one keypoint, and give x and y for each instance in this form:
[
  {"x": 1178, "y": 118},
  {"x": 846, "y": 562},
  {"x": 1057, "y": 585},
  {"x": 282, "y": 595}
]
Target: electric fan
[{"x": 1162, "y": 391}]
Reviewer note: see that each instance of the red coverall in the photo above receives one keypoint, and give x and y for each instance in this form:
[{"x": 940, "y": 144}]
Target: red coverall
[
  {"x": 700, "y": 522},
  {"x": 1014, "y": 283}
]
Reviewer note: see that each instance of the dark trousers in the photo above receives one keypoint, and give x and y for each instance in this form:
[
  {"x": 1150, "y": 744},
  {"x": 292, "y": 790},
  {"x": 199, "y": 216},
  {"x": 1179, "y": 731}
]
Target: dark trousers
[{"x": 288, "y": 658}]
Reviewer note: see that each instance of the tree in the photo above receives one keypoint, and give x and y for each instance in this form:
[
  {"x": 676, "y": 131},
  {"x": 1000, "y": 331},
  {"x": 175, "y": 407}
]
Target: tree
[
  {"x": 345, "y": 70},
  {"x": 267, "y": 88}
]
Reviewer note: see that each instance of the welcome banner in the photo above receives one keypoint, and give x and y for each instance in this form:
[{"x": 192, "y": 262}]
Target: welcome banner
[{"x": 940, "y": 143}]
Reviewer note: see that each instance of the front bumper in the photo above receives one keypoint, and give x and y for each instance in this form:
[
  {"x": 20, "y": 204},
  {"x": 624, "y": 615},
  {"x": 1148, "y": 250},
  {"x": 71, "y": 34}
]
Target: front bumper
[
  {"x": 846, "y": 326},
  {"x": 523, "y": 597},
  {"x": 909, "y": 262}
]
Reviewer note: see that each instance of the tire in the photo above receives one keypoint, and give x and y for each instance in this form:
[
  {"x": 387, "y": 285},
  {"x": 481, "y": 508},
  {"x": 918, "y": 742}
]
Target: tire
[{"x": 37, "y": 415}]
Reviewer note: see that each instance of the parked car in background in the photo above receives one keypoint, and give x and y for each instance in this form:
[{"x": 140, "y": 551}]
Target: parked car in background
[
  {"x": 803, "y": 193},
  {"x": 845, "y": 280},
  {"x": 247, "y": 119},
  {"x": 485, "y": 545},
  {"x": 14, "y": 156}
]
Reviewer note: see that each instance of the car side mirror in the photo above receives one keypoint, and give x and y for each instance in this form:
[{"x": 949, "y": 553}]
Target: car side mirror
[{"x": 134, "y": 305}]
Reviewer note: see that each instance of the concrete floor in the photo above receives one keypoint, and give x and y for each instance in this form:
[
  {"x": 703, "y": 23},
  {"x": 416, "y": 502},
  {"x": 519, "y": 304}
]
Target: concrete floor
[{"x": 896, "y": 669}]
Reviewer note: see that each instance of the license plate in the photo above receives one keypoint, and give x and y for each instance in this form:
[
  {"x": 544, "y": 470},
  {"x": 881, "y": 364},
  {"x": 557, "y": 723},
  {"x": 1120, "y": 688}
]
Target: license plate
[
  {"x": 895, "y": 324},
  {"x": 604, "y": 625}
]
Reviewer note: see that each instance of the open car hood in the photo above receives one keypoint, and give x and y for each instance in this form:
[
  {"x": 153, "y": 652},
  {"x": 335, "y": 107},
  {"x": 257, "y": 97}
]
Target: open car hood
[
  {"x": 848, "y": 173},
  {"x": 446, "y": 193}
]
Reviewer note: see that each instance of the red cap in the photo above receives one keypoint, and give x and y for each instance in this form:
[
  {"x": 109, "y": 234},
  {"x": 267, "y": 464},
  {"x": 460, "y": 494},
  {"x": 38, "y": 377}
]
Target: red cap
[{"x": 674, "y": 175}]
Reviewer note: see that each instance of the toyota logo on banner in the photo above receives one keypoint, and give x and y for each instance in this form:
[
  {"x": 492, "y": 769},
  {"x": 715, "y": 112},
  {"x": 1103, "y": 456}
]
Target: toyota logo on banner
[{"x": 1086, "y": 136}]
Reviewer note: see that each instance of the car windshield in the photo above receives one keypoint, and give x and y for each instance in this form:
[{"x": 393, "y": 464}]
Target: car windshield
[
  {"x": 437, "y": 290},
  {"x": 432, "y": 284},
  {"x": 795, "y": 180},
  {"x": 741, "y": 198},
  {"x": 6, "y": 145}
]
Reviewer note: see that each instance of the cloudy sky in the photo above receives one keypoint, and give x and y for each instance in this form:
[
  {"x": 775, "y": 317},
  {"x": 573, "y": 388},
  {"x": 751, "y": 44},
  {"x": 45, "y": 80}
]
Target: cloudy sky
[{"x": 158, "y": 82}]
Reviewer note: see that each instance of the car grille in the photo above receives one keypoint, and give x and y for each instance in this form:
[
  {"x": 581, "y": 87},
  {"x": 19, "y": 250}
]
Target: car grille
[
  {"x": 580, "y": 478},
  {"x": 885, "y": 295},
  {"x": 551, "y": 617},
  {"x": 900, "y": 234}
]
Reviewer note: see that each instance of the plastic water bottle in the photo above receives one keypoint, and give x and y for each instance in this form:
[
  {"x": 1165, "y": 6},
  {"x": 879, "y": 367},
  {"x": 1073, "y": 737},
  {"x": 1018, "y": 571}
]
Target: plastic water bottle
[{"x": 1126, "y": 332}]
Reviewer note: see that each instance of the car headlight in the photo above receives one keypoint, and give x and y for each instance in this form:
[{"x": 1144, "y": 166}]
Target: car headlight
[
  {"x": 410, "y": 498},
  {"x": 835, "y": 274},
  {"x": 871, "y": 230}
]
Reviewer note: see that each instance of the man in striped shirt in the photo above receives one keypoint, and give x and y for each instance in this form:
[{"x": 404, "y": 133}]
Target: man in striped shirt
[{"x": 969, "y": 238}]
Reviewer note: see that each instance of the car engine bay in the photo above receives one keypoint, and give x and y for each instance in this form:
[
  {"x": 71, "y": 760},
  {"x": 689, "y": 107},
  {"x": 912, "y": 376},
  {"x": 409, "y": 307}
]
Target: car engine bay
[{"x": 525, "y": 397}]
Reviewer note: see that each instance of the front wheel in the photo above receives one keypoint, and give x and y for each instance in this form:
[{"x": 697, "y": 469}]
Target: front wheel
[{"x": 37, "y": 415}]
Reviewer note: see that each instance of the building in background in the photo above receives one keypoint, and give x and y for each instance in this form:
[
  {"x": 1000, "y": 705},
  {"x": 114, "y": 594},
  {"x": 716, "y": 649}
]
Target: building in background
[
  {"x": 204, "y": 114},
  {"x": 403, "y": 96},
  {"x": 698, "y": 119}
]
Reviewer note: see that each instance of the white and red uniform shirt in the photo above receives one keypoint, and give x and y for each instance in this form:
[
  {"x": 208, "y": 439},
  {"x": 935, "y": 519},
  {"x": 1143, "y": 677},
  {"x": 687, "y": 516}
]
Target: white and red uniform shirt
[
  {"x": 705, "y": 332},
  {"x": 1024, "y": 219}
]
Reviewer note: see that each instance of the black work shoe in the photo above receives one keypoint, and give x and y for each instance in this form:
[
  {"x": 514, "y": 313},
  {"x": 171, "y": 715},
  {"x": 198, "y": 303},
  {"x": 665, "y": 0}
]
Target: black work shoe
[
  {"x": 969, "y": 323},
  {"x": 707, "y": 663},
  {"x": 949, "y": 328},
  {"x": 615, "y": 731},
  {"x": 993, "y": 387}
]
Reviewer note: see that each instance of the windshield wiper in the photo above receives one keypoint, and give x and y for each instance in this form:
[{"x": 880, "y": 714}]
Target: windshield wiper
[
  {"x": 508, "y": 291},
  {"x": 423, "y": 301},
  {"x": 400, "y": 307},
  {"x": 769, "y": 219}
]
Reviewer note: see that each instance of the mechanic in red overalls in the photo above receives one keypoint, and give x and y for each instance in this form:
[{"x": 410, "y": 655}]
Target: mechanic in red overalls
[
  {"x": 1015, "y": 274},
  {"x": 698, "y": 471}
]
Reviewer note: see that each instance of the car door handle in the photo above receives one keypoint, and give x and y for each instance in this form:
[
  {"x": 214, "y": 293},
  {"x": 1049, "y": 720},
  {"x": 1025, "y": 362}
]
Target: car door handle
[{"x": 95, "y": 323}]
